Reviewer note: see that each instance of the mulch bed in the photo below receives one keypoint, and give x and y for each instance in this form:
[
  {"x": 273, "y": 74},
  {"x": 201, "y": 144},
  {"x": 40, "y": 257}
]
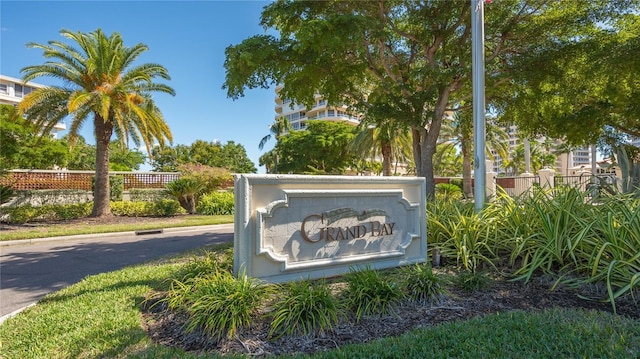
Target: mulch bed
[{"x": 167, "y": 327}]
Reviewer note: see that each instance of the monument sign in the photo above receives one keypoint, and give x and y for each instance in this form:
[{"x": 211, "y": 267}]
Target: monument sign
[{"x": 289, "y": 227}]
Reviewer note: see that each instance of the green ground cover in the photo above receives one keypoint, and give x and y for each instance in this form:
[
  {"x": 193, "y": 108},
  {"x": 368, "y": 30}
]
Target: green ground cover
[
  {"x": 113, "y": 225},
  {"x": 101, "y": 317}
]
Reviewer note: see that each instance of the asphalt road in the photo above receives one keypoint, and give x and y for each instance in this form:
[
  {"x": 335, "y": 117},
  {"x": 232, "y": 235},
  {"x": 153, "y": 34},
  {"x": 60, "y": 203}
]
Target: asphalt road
[{"x": 29, "y": 271}]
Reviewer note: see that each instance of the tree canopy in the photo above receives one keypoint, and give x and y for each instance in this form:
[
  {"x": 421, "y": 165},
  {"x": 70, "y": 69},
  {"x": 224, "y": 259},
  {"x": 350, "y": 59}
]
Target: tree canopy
[
  {"x": 406, "y": 61},
  {"x": 230, "y": 156},
  {"x": 574, "y": 88},
  {"x": 21, "y": 146},
  {"x": 322, "y": 148}
]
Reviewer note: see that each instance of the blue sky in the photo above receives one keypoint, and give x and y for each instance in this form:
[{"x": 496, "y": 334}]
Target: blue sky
[{"x": 186, "y": 37}]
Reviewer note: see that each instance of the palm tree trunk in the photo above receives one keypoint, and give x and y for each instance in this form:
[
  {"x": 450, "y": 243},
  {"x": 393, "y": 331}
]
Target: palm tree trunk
[
  {"x": 386, "y": 158},
  {"x": 101, "y": 190}
]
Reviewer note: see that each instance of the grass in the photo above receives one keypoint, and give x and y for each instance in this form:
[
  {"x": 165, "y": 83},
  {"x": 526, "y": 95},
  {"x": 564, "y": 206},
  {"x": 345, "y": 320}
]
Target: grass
[
  {"x": 556, "y": 333},
  {"x": 97, "y": 317},
  {"x": 101, "y": 317},
  {"x": 92, "y": 228}
]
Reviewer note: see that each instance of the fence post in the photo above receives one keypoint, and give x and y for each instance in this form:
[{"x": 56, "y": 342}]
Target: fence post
[
  {"x": 490, "y": 181},
  {"x": 546, "y": 177}
]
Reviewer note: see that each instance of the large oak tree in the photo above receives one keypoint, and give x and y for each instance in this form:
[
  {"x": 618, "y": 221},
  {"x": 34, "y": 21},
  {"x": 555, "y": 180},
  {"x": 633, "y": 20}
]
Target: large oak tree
[{"x": 407, "y": 61}]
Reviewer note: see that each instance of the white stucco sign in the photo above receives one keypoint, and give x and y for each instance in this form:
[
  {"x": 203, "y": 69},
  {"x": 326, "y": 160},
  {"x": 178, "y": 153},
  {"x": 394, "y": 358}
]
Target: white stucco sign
[{"x": 289, "y": 227}]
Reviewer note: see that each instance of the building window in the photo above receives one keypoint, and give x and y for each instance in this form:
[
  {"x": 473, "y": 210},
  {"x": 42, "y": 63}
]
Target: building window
[
  {"x": 331, "y": 113},
  {"x": 4, "y": 89},
  {"x": 18, "y": 90}
]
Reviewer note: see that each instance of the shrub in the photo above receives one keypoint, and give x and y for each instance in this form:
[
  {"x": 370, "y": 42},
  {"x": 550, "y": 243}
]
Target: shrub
[
  {"x": 21, "y": 214},
  {"x": 212, "y": 178},
  {"x": 216, "y": 203},
  {"x": 421, "y": 285},
  {"x": 207, "y": 262},
  {"x": 133, "y": 209},
  {"x": 218, "y": 303},
  {"x": 558, "y": 226},
  {"x": 305, "y": 308},
  {"x": 148, "y": 195},
  {"x": 368, "y": 293},
  {"x": 6, "y": 193},
  {"x": 167, "y": 208},
  {"x": 456, "y": 182},
  {"x": 51, "y": 212},
  {"x": 469, "y": 281},
  {"x": 186, "y": 190},
  {"x": 448, "y": 191},
  {"x": 459, "y": 233},
  {"x": 71, "y": 211},
  {"x": 613, "y": 257},
  {"x": 116, "y": 187},
  {"x": 116, "y": 184}
]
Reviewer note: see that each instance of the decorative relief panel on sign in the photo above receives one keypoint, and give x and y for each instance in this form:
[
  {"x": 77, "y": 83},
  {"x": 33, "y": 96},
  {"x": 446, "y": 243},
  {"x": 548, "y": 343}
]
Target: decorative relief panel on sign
[{"x": 310, "y": 228}]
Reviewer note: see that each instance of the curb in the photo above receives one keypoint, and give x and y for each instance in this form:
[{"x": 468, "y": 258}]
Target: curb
[{"x": 18, "y": 242}]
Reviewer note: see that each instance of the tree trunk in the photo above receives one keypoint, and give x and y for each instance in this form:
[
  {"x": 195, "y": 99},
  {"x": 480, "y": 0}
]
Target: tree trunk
[
  {"x": 188, "y": 202},
  {"x": 417, "y": 150},
  {"x": 467, "y": 189},
  {"x": 101, "y": 190},
  {"x": 386, "y": 158},
  {"x": 423, "y": 156},
  {"x": 428, "y": 150},
  {"x": 425, "y": 141}
]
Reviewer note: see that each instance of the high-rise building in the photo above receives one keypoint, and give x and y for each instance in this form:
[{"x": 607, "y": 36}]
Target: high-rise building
[
  {"x": 565, "y": 162},
  {"x": 13, "y": 90},
  {"x": 298, "y": 115}
]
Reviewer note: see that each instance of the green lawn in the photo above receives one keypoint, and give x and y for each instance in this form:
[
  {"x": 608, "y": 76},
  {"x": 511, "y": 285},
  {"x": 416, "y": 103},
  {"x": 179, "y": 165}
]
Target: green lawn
[
  {"x": 64, "y": 229},
  {"x": 101, "y": 317}
]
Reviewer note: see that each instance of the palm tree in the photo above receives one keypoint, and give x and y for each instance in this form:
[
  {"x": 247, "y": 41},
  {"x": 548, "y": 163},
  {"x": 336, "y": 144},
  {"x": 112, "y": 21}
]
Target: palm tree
[
  {"x": 390, "y": 142},
  {"x": 100, "y": 81},
  {"x": 278, "y": 128},
  {"x": 459, "y": 131}
]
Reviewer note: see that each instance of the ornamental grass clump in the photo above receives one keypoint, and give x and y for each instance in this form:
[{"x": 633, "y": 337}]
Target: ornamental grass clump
[
  {"x": 470, "y": 282},
  {"x": 207, "y": 262},
  {"x": 468, "y": 237},
  {"x": 369, "y": 294},
  {"x": 559, "y": 225},
  {"x": 219, "y": 303},
  {"x": 304, "y": 308},
  {"x": 613, "y": 255},
  {"x": 422, "y": 285}
]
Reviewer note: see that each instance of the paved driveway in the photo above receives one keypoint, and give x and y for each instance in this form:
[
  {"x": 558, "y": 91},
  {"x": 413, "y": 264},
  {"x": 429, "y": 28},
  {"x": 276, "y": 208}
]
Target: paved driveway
[{"x": 30, "y": 271}]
